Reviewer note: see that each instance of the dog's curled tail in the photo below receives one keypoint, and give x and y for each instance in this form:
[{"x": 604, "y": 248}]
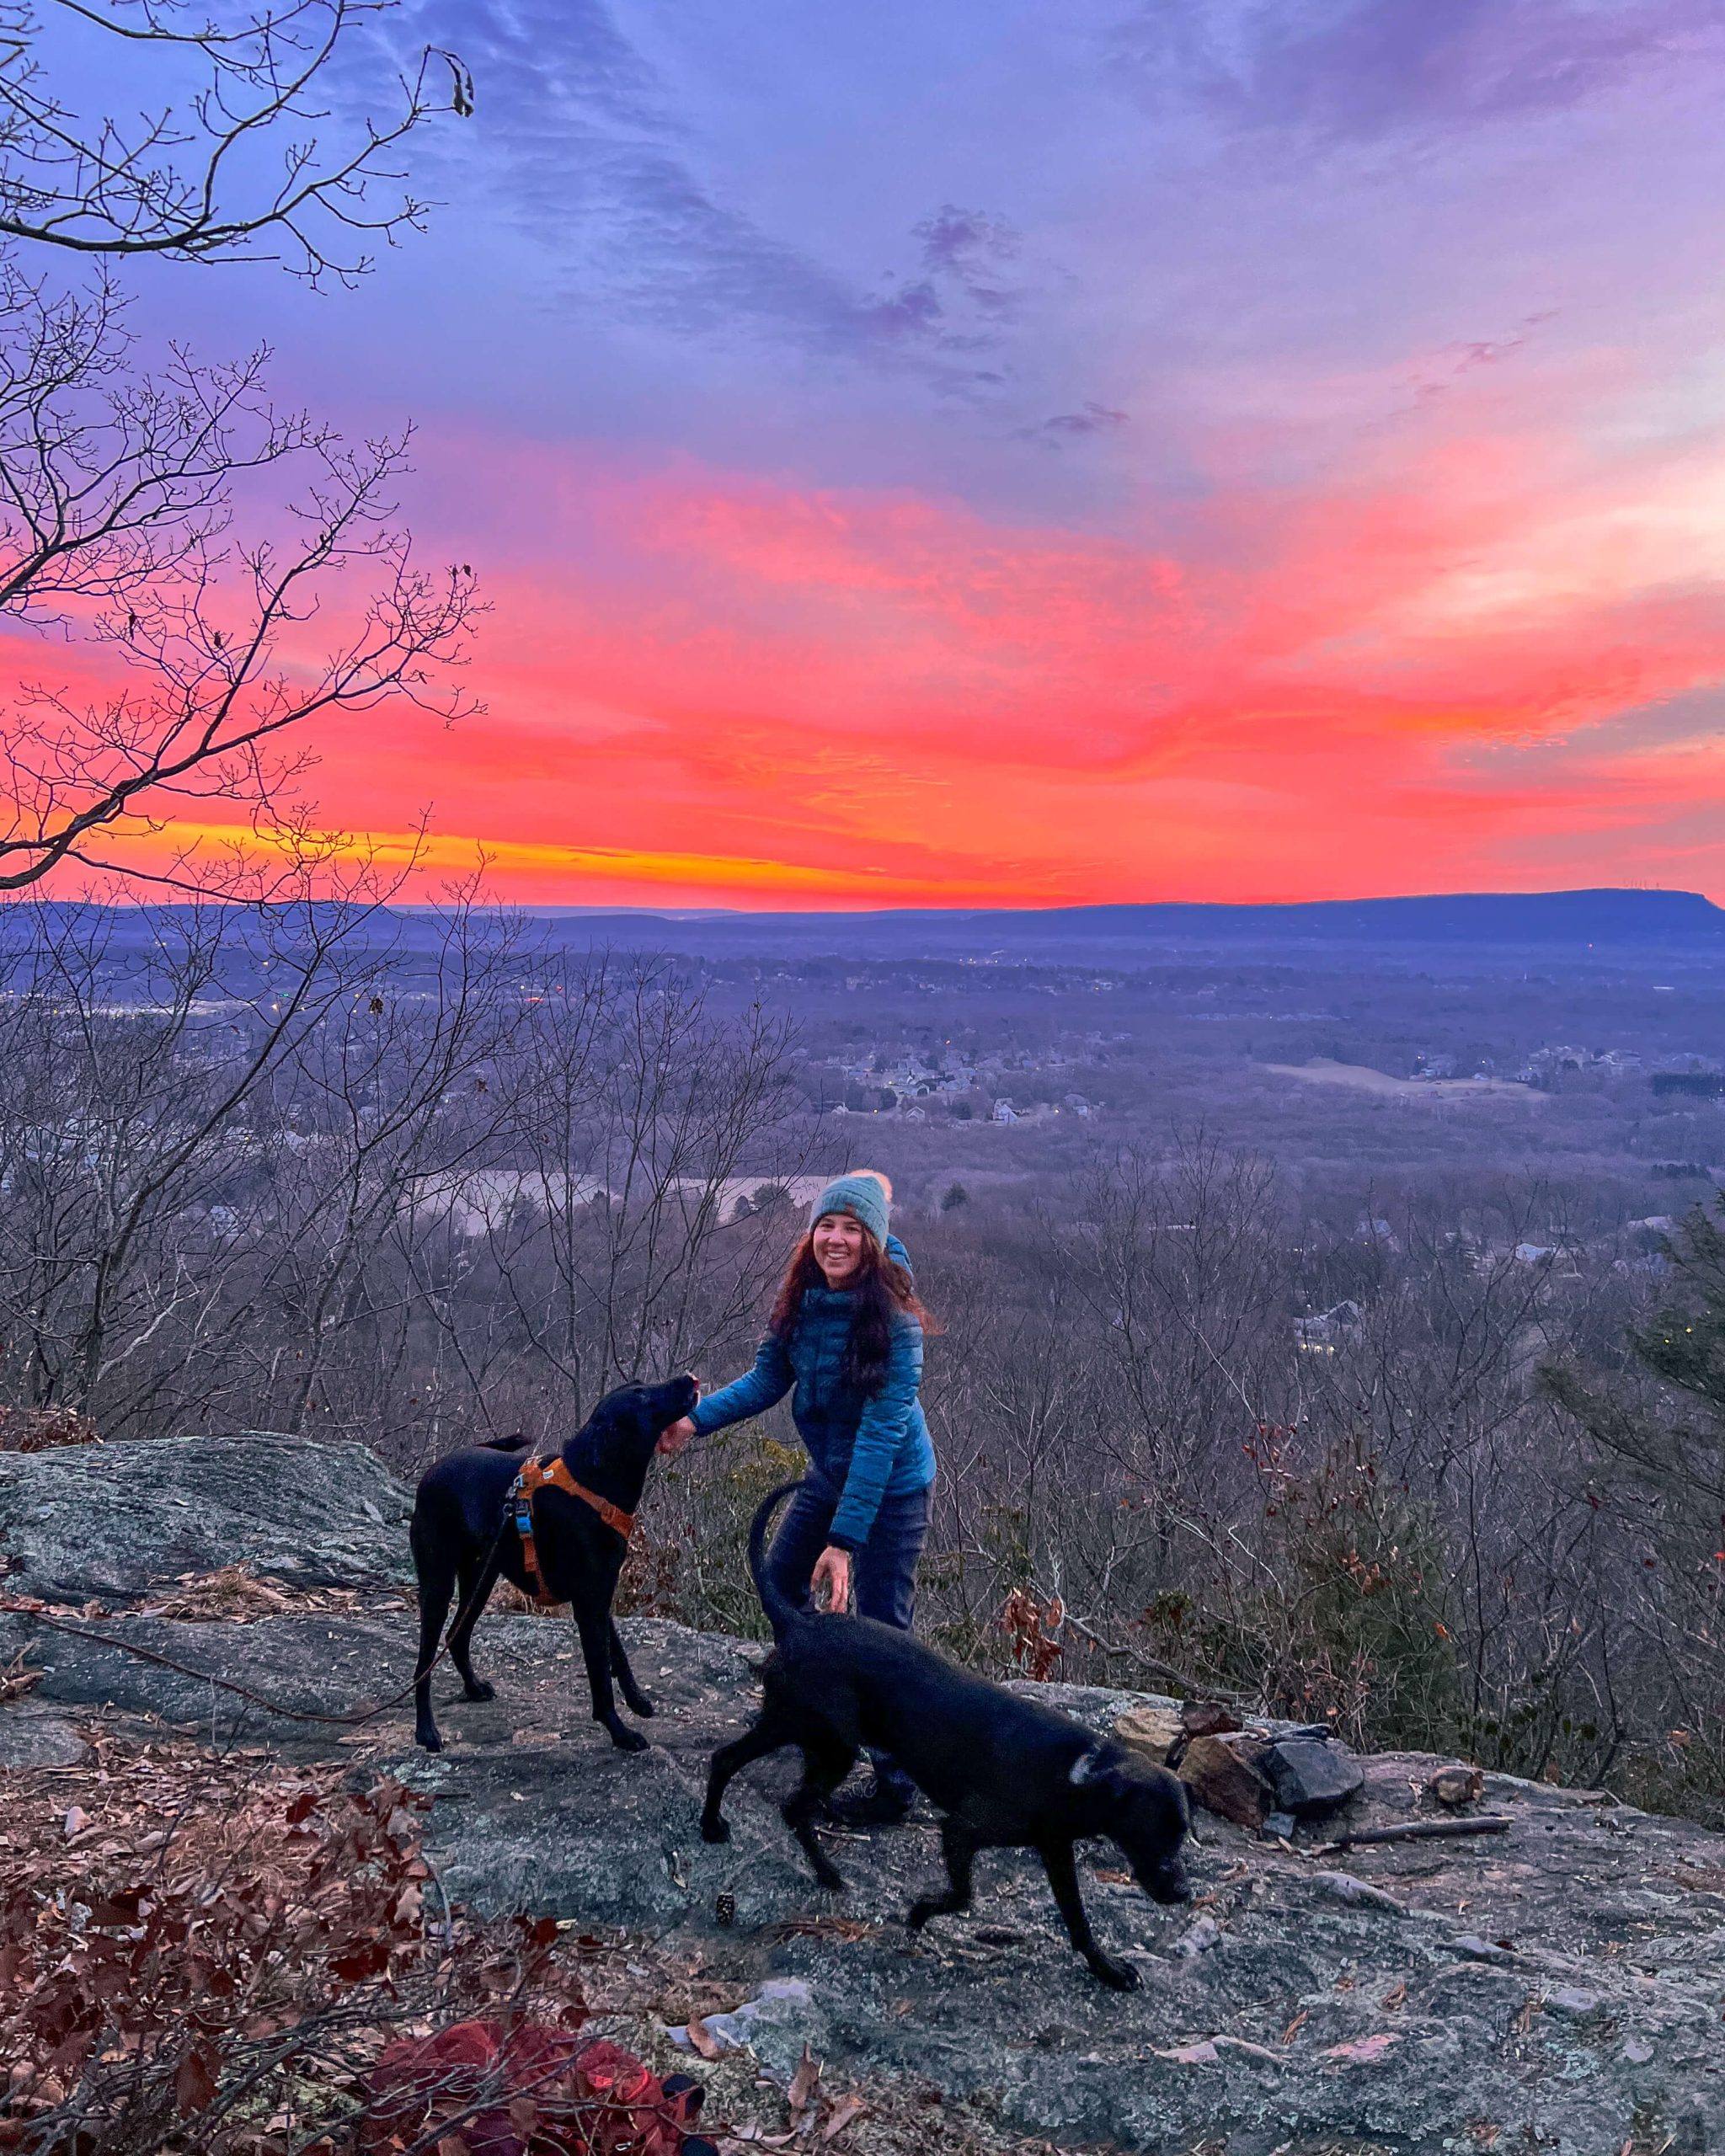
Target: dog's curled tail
[{"x": 779, "y": 1611}]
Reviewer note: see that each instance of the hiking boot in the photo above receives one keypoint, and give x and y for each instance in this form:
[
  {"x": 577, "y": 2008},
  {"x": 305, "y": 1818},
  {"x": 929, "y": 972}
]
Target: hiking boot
[{"x": 885, "y": 1802}]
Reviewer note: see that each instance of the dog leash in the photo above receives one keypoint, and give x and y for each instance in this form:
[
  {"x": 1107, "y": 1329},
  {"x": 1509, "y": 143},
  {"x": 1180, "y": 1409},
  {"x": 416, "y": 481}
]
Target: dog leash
[
  {"x": 10, "y": 1606},
  {"x": 205, "y": 1677},
  {"x": 550, "y": 1474}
]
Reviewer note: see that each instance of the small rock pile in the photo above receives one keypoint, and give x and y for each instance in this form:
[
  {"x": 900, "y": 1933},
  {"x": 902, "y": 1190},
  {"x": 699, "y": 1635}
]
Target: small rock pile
[{"x": 1268, "y": 1777}]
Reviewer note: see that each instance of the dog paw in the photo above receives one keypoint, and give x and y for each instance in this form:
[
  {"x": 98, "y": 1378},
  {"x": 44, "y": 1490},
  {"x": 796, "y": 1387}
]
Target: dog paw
[
  {"x": 1117, "y": 1976},
  {"x": 833, "y": 1881},
  {"x": 629, "y": 1740},
  {"x": 640, "y": 1705},
  {"x": 428, "y": 1740},
  {"x": 715, "y": 1830},
  {"x": 919, "y": 1916},
  {"x": 479, "y": 1689}
]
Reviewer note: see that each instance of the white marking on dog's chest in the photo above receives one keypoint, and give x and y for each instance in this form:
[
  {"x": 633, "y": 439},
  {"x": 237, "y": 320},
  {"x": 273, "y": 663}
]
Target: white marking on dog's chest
[{"x": 1084, "y": 1768}]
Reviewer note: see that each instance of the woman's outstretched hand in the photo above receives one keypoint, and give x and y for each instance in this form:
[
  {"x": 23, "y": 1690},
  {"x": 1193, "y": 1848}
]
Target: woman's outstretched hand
[
  {"x": 832, "y": 1571},
  {"x": 673, "y": 1438}
]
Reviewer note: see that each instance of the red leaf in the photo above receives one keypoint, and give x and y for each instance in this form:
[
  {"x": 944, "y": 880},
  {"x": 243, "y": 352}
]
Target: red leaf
[
  {"x": 194, "y": 2085},
  {"x": 368, "y": 1960}
]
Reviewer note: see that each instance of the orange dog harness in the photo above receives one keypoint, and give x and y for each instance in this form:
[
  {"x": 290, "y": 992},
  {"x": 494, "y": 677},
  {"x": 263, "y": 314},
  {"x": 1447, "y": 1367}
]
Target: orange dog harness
[{"x": 551, "y": 1474}]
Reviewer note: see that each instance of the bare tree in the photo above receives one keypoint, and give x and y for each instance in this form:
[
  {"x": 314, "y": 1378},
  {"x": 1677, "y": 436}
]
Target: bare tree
[
  {"x": 120, "y": 529},
  {"x": 641, "y": 1119},
  {"x": 235, "y": 94},
  {"x": 382, "y": 1111},
  {"x": 130, "y": 1091},
  {"x": 130, "y": 521}
]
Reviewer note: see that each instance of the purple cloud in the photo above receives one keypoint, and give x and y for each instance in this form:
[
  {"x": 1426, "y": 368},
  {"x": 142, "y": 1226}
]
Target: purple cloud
[{"x": 1365, "y": 69}]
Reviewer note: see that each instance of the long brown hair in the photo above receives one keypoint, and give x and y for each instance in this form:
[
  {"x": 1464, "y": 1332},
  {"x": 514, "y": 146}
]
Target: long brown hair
[{"x": 884, "y": 1291}]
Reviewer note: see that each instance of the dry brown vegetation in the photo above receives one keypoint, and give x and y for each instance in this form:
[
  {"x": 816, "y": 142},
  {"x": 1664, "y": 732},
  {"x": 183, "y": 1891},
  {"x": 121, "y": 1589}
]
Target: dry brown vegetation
[{"x": 208, "y": 1952}]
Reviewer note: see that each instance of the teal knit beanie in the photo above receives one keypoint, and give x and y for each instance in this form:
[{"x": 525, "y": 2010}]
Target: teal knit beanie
[{"x": 863, "y": 1196}]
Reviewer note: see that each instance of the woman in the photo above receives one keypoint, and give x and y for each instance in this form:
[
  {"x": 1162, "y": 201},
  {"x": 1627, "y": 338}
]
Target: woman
[{"x": 846, "y": 1339}]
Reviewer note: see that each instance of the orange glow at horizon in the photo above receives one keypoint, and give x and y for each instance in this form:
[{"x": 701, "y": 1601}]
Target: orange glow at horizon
[{"x": 1432, "y": 673}]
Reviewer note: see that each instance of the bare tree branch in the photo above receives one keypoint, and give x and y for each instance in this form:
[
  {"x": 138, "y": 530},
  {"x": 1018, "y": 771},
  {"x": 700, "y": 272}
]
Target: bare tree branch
[{"x": 190, "y": 178}]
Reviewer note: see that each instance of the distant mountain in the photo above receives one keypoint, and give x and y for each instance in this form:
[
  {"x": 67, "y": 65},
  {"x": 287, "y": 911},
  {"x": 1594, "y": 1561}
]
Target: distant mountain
[
  {"x": 1549, "y": 925},
  {"x": 1569, "y": 920}
]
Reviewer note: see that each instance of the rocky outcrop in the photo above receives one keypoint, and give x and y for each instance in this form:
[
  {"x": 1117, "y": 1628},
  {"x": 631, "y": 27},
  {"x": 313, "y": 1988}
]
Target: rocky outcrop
[
  {"x": 116, "y": 1522},
  {"x": 1559, "y": 1986}
]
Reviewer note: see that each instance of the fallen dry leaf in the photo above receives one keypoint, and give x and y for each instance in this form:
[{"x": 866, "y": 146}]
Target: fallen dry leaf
[
  {"x": 74, "y": 1823},
  {"x": 194, "y": 2085},
  {"x": 1249, "y": 2049},
  {"x": 843, "y": 2112},
  {"x": 803, "y": 2083},
  {"x": 1363, "y": 2050},
  {"x": 15, "y": 1680},
  {"x": 704, "y": 2041}
]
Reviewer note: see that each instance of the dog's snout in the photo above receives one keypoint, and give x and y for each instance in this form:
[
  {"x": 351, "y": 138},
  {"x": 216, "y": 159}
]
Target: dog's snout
[{"x": 1168, "y": 1884}]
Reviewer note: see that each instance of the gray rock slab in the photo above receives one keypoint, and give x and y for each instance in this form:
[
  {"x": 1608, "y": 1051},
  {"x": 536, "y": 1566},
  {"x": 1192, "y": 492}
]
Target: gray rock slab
[
  {"x": 30, "y": 1738},
  {"x": 319, "y": 1665},
  {"x": 113, "y": 1522}
]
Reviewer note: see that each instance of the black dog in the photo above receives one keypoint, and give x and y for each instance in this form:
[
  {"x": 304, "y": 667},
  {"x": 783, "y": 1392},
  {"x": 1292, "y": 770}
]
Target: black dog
[
  {"x": 462, "y": 1539},
  {"x": 1007, "y": 1774}
]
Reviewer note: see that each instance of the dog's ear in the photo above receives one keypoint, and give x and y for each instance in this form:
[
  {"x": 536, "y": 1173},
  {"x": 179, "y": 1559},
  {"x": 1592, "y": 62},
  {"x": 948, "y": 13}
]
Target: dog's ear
[
  {"x": 609, "y": 1420},
  {"x": 1102, "y": 1769},
  {"x": 1161, "y": 1803},
  {"x": 1122, "y": 1782}
]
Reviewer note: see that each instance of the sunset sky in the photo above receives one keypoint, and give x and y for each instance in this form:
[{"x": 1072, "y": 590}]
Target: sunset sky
[{"x": 1038, "y": 451}]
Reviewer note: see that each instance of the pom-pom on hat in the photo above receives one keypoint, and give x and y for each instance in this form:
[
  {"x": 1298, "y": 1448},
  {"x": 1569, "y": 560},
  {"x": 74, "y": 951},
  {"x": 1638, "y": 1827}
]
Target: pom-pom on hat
[{"x": 865, "y": 1194}]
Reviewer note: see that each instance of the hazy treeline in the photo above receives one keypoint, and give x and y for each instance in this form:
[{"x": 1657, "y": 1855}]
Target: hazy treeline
[{"x": 273, "y": 1179}]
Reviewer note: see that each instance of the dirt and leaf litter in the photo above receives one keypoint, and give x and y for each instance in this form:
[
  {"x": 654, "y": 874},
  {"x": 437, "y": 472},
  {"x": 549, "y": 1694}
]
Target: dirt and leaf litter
[{"x": 236, "y": 1595}]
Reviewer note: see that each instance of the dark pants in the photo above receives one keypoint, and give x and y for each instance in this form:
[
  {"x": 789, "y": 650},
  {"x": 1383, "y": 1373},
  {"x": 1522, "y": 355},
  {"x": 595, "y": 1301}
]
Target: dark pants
[{"x": 883, "y": 1571}]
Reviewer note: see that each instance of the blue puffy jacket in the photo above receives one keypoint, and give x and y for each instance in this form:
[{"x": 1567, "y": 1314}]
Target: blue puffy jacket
[{"x": 864, "y": 1444}]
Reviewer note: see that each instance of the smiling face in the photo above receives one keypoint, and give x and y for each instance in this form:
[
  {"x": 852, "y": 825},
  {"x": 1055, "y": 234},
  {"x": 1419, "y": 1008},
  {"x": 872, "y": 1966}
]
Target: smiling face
[{"x": 838, "y": 1247}]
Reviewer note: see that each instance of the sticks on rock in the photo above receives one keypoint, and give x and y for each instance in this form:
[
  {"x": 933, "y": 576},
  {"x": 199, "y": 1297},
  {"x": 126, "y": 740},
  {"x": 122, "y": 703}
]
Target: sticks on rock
[{"x": 1422, "y": 1830}]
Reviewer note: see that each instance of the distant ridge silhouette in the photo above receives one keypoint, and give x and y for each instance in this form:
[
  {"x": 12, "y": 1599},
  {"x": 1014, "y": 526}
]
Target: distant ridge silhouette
[
  {"x": 1572, "y": 919},
  {"x": 1553, "y": 922}
]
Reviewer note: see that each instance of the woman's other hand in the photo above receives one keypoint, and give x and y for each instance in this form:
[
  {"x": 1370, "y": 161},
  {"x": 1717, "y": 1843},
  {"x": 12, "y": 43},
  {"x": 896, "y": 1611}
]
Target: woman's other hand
[
  {"x": 673, "y": 1438},
  {"x": 832, "y": 1571}
]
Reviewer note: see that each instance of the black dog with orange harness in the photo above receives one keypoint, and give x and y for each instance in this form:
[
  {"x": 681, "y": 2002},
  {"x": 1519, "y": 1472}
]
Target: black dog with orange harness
[{"x": 558, "y": 1528}]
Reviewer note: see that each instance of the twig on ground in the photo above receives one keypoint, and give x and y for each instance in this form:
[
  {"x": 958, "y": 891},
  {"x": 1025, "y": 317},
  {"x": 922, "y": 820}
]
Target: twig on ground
[{"x": 1422, "y": 1830}]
